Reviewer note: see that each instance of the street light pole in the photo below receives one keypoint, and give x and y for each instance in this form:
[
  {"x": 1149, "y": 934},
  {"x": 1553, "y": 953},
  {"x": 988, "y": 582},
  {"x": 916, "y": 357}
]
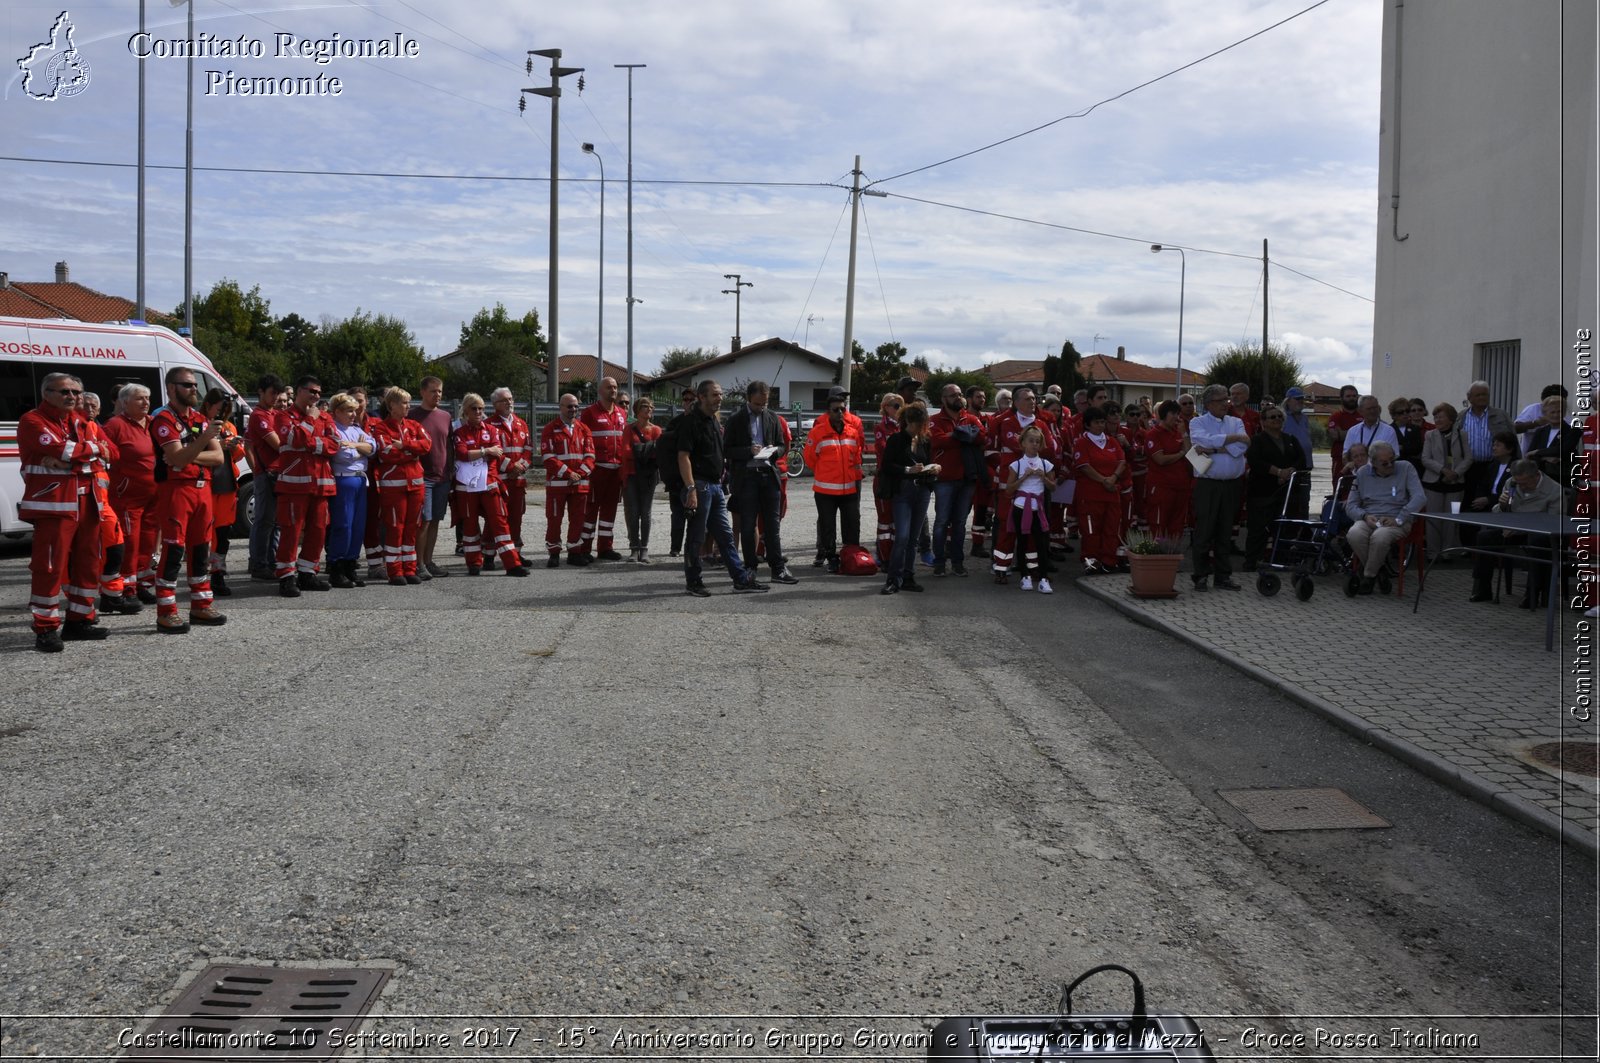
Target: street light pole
[
  {"x": 630, "y": 68},
  {"x": 738, "y": 332},
  {"x": 557, "y": 72},
  {"x": 138, "y": 294},
  {"x": 1183, "y": 281},
  {"x": 600, "y": 329},
  {"x": 188, "y": 190}
]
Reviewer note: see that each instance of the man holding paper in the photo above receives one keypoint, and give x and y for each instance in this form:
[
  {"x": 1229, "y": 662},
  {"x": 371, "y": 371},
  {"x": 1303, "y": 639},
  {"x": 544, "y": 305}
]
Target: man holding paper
[
  {"x": 756, "y": 445},
  {"x": 1219, "y": 442}
]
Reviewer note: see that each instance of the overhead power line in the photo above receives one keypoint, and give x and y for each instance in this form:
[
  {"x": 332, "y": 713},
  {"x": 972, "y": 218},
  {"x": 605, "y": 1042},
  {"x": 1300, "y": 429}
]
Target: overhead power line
[{"x": 1109, "y": 99}]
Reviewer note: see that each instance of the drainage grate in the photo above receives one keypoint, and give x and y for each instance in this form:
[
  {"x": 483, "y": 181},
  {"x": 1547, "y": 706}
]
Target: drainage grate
[
  {"x": 1325, "y": 809},
  {"x": 256, "y": 1013},
  {"x": 1580, "y": 758}
]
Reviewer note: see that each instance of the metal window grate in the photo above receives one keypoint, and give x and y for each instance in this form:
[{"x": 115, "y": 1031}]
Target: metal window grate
[
  {"x": 1499, "y": 363},
  {"x": 1312, "y": 809},
  {"x": 256, "y": 1013}
]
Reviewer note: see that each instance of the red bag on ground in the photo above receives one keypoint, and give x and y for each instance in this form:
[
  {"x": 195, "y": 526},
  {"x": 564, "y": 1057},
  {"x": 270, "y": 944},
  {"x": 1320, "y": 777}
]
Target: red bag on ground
[{"x": 855, "y": 561}]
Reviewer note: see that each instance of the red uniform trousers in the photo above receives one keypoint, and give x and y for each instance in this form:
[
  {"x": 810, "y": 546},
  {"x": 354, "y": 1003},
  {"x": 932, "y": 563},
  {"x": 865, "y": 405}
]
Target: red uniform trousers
[
  {"x": 1100, "y": 524},
  {"x": 1139, "y": 497},
  {"x": 516, "y": 507},
  {"x": 600, "y": 511},
  {"x": 112, "y": 550},
  {"x": 1005, "y": 534},
  {"x": 982, "y": 501},
  {"x": 489, "y": 507},
  {"x": 141, "y": 530},
  {"x": 400, "y": 513},
  {"x": 186, "y": 525},
  {"x": 224, "y": 511},
  {"x": 1128, "y": 495},
  {"x": 299, "y": 515},
  {"x": 559, "y": 502},
  {"x": 67, "y": 546},
  {"x": 885, "y": 530},
  {"x": 1058, "y": 525},
  {"x": 376, "y": 533},
  {"x": 1167, "y": 510}
]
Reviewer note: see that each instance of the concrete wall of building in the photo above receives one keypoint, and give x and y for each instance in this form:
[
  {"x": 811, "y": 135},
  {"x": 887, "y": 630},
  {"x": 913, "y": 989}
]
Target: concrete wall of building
[{"x": 1492, "y": 105}]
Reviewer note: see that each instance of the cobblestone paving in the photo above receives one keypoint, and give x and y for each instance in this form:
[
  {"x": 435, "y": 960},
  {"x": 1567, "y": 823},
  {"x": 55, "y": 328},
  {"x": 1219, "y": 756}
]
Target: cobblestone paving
[{"x": 1469, "y": 683}]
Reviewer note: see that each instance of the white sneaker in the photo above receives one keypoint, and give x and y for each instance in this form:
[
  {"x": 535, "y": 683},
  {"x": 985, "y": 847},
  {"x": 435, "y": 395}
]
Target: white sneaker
[
  {"x": 1044, "y": 586},
  {"x": 1027, "y": 583}
]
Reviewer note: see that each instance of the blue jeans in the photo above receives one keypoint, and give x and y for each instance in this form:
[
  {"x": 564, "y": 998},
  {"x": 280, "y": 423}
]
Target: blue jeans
[
  {"x": 952, "y": 501},
  {"x": 910, "y": 514},
  {"x": 263, "y": 541},
  {"x": 347, "y": 518},
  {"x": 711, "y": 513}
]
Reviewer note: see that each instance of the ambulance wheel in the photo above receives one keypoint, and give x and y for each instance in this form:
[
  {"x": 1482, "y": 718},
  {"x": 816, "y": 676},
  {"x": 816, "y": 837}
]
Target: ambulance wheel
[
  {"x": 1305, "y": 588},
  {"x": 246, "y": 512},
  {"x": 1351, "y": 585},
  {"x": 1268, "y": 584}
]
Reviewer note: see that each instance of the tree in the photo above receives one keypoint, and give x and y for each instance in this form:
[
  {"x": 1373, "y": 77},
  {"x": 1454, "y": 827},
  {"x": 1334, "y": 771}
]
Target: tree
[
  {"x": 1240, "y": 363},
  {"x": 498, "y": 351},
  {"x": 1063, "y": 370},
  {"x": 236, "y": 330},
  {"x": 965, "y": 378},
  {"x": 373, "y": 350},
  {"x": 875, "y": 374},
  {"x": 678, "y": 358}
]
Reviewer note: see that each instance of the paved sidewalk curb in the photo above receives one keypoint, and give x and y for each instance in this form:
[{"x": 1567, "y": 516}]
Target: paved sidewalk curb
[{"x": 1430, "y": 764}]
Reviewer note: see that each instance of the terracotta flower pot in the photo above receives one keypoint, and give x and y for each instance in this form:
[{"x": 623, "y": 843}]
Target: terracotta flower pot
[{"x": 1155, "y": 575}]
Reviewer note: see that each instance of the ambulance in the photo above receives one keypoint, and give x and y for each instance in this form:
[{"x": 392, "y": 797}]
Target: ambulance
[{"x": 105, "y": 357}]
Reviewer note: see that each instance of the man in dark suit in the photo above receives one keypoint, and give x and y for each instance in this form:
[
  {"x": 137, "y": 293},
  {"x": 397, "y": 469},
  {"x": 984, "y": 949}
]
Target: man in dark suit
[{"x": 757, "y": 484}]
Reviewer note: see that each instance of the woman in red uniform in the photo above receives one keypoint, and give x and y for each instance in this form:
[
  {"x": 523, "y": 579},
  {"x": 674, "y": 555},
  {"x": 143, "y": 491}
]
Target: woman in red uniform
[
  {"x": 397, "y": 470},
  {"x": 1101, "y": 463},
  {"x": 888, "y": 425},
  {"x": 111, "y": 538},
  {"x": 479, "y": 448},
  {"x": 133, "y": 492}
]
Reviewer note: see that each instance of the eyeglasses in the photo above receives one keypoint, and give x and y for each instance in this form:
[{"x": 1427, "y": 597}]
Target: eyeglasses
[
  {"x": 184, "y": 384},
  {"x": 65, "y": 391}
]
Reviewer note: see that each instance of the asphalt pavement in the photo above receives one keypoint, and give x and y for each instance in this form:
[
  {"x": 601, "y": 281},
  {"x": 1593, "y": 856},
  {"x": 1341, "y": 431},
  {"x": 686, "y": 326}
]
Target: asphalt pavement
[{"x": 820, "y": 818}]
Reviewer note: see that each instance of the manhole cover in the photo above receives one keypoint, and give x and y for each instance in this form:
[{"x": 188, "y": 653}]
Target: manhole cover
[
  {"x": 1325, "y": 809},
  {"x": 1580, "y": 758},
  {"x": 255, "y": 1013}
]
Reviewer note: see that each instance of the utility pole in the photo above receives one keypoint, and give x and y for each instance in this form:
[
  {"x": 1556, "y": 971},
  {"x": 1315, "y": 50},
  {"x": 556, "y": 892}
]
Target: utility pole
[
  {"x": 600, "y": 328},
  {"x": 738, "y": 332},
  {"x": 188, "y": 192},
  {"x": 557, "y": 72},
  {"x": 630, "y": 68},
  {"x": 138, "y": 295},
  {"x": 856, "y": 192},
  {"x": 1263, "y": 317}
]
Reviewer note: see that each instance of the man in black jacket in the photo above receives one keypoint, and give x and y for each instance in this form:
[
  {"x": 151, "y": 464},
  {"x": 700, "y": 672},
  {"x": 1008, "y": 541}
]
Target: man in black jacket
[
  {"x": 700, "y": 466},
  {"x": 757, "y": 483}
]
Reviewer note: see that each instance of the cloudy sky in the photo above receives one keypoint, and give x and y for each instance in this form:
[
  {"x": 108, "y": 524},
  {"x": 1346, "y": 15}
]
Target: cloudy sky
[{"x": 745, "y": 123}]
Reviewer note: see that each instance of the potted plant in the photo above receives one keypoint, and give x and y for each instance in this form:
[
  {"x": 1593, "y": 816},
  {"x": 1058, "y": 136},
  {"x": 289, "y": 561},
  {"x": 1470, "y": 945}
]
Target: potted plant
[{"x": 1154, "y": 563}]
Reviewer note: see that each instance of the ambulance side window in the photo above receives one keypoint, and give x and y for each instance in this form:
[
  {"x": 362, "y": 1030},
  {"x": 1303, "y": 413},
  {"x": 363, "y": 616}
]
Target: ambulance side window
[
  {"x": 107, "y": 380},
  {"x": 18, "y": 393}
]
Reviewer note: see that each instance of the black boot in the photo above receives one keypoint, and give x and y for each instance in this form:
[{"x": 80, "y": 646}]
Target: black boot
[
  {"x": 219, "y": 585},
  {"x": 341, "y": 575},
  {"x": 310, "y": 581},
  {"x": 352, "y": 568},
  {"x": 289, "y": 587},
  {"x": 1481, "y": 591}
]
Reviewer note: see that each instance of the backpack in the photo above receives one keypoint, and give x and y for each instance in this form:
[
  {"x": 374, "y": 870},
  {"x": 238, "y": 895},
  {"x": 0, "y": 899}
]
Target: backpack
[
  {"x": 855, "y": 561},
  {"x": 667, "y": 456}
]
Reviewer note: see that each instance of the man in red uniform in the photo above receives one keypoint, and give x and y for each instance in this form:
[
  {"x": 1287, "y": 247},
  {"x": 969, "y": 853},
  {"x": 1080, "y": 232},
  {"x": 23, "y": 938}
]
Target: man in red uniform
[
  {"x": 188, "y": 449},
  {"x": 568, "y": 453},
  {"x": 956, "y": 446},
  {"x": 605, "y": 419},
  {"x": 983, "y": 490},
  {"x": 517, "y": 441},
  {"x": 58, "y": 463},
  {"x": 133, "y": 494},
  {"x": 264, "y": 434},
  {"x": 1341, "y": 421},
  {"x": 305, "y": 483}
]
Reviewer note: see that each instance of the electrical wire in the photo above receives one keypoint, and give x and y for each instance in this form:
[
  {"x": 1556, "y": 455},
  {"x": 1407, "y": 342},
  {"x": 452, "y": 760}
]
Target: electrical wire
[
  {"x": 882, "y": 293},
  {"x": 1109, "y": 99}
]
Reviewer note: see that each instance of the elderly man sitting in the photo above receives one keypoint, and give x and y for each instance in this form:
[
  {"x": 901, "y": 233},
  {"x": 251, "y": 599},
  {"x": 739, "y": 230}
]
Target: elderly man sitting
[
  {"x": 1527, "y": 491},
  {"x": 1385, "y": 498}
]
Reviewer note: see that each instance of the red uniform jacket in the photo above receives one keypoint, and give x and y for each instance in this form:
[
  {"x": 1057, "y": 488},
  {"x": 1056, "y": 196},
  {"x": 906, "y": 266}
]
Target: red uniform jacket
[
  {"x": 133, "y": 470},
  {"x": 47, "y": 432},
  {"x": 606, "y": 430},
  {"x": 568, "y": 453},
  {"x": 1005, "y": 441},
  {"x": 944, "y": 450},
  {"x": 518, "y": 443},
  {"x": 166, "y": 426},
  {"x": 486, "y": 434},
  {"x": 1103, "y": 460},
  {"x": 265, "y": 421},
  {"x": 631, "y": 435},
  {"x": 303, "y": 467},
  {"x": 396, "y": 462},
  {"x": 1159, "y": 440}
]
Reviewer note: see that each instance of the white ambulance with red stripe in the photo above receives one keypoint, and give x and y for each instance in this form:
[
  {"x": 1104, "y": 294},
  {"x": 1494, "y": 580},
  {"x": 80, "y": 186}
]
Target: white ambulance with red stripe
[{"x": 106, "y": 357}]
